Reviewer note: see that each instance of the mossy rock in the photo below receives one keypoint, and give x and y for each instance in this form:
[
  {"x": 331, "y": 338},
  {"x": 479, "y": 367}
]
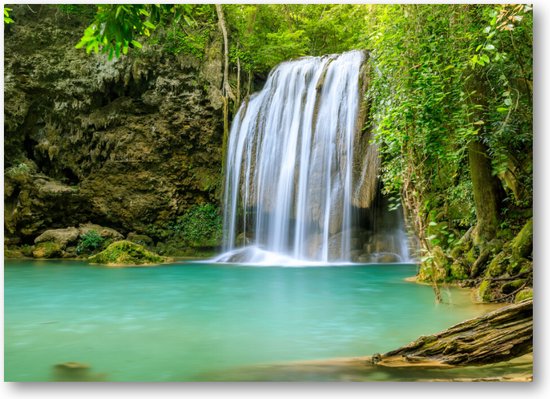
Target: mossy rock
[
  {"x": 514, "y": 267},
  {"x": 526, "y": 293},
  {"x": 526, "y": 266},
  {"x": 522, "y": 244},
  {"x": 47, "y": 249},
  {"x": 498, "y": 265},
  {"x": 126, "y": 253},
  {"x": 484, "y": 293},
  {"x": 13, "y": 254},
  {"x": 459, "y": 271},
  {"x": 511, "y": 286},
  {"x": 471, "y": 256}
]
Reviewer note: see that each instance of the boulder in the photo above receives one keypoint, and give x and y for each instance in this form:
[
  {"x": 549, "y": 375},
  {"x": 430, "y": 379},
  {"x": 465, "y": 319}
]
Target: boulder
[
  {"x": 387, "y": 257},
  {"x": 125, "y": 252},
  {"x": 47, "y": 249},
  {"x": 63, "y": 237},
  {"x": 522, "y": 244}
]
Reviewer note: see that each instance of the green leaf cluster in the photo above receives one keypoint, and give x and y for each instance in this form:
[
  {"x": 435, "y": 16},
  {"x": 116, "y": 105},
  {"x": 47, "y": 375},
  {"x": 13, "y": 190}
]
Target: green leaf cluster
[
  {"x": 7, "y": 19},
  {"x": 89, "y": 242}
]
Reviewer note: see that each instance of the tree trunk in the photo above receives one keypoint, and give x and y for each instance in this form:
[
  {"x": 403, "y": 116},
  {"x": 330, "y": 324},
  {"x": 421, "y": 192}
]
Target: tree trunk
[
  {"x": 238, "y": 95},
  {"x": 226, "y": 89},
  {"x": 486, "y": 194},
  {"x": 498, "y": 336}
]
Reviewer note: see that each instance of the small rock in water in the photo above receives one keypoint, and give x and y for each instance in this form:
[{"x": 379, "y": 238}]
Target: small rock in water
[
  {"x": 75, "y": 371},
  {"x": 72, "y": 366}
]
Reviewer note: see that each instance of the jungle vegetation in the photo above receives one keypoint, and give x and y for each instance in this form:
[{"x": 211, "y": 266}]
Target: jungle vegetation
[{"x": 450, "y": 98}]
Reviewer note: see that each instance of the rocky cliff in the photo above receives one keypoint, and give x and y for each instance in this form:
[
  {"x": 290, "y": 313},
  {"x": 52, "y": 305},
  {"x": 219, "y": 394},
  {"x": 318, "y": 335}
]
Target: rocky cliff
[{"x": 129, "y": 143}]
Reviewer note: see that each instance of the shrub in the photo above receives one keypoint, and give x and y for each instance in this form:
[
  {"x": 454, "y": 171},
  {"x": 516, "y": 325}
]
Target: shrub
[{"x": 89, "y": 242}]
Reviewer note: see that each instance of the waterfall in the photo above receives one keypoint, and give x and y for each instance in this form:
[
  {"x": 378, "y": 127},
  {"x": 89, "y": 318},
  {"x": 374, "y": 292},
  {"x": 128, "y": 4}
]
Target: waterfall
[{"x": 289, "y": 189}]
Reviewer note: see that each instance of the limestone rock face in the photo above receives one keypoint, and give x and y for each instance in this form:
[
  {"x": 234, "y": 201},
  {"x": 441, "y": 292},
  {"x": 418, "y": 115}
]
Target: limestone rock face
[{"x": 127, "y": 143}]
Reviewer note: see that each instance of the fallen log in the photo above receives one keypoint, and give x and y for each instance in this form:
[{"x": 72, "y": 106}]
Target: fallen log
[{"x": 498, "y": 336}]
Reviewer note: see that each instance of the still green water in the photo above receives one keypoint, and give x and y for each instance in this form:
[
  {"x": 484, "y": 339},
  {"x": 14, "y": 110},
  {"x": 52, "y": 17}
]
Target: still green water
[{"x": 192, "y": 321}]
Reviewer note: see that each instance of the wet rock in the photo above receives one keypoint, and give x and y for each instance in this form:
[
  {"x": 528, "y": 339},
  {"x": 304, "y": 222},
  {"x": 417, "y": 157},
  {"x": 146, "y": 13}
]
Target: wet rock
[
  {"x": 387, "y": 257},
  {"x": 364, "y": 258},
  {"x": 242, "y": 240}
]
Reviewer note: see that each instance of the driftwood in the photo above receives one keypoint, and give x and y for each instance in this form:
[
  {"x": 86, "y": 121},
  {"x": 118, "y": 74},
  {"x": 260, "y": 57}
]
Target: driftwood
[{"x": 498, "y": 336}]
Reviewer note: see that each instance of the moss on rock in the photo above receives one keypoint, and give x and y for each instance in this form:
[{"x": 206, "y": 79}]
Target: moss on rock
[
  {"x": 522, "y": 244},
  {"x": 484, "y": 291},
  {"x": 48, "y": 249},
  {"x": 511, "y": 286},
  {"x": 498, "y": 265},
  {"x": 526, "y": 293},
  {"x": 126, "y": 253},
  {"x": 13, "y": 254}
]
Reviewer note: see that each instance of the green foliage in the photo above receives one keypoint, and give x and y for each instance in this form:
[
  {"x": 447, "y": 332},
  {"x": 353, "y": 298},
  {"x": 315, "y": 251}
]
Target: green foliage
[
  {"x": 7, "y": 19},
  {"x": 200, "y": 226},
  {"x": 83, "y": 10},
  {"x": 89, "y": 242},
  {"x": 263, "y": 35},
  {"x": 444, "y": 76},
  {"x": 126, "y": 253},
  {"x": 116, "y": 27},
  {"x": 177, "y": 42}
]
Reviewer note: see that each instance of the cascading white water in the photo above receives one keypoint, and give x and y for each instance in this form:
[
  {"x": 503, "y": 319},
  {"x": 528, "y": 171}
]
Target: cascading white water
[{"x": 288, "y": 186}]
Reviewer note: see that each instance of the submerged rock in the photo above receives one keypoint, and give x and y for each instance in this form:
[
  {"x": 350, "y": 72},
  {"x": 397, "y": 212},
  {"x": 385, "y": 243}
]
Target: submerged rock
[
  {"x": 127, "y": 253},
  {"x": 75, "y": 371}
]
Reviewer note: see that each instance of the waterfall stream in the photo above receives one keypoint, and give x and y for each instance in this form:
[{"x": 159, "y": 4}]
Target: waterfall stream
[{"x": 289, "y": 188}]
